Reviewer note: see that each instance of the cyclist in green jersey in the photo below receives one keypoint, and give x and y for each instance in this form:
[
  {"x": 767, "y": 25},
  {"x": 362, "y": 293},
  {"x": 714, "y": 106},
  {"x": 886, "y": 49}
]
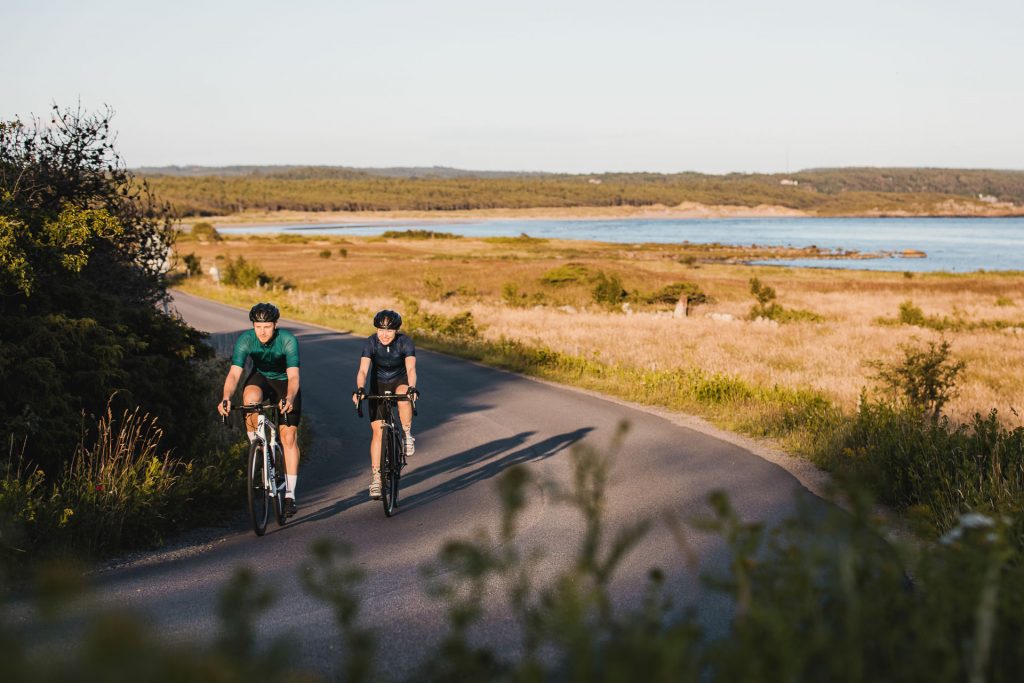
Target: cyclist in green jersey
[{"x": 275, "y": 375}]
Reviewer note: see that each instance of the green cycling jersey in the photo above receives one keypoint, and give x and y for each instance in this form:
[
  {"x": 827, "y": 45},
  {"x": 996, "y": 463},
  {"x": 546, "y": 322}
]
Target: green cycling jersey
[{"x": 272, "y": 359}]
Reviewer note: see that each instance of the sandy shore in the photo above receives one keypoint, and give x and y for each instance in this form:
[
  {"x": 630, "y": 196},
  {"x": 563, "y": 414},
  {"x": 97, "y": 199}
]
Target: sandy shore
[{"x": 684, "y": 210}]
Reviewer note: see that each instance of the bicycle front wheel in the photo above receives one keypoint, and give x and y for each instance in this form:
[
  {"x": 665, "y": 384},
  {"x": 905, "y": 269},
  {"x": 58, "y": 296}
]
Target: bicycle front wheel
[
  {"x": 388, "y": 474},
  {"x": 259, "y": 503},
  {"x": 279, "y": 486}
]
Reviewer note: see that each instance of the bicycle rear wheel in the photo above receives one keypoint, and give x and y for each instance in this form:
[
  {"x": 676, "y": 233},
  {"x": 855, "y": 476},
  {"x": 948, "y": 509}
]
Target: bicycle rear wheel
[
  {"x": 388, "y": 473},
  {"x": 279, "y": 486},
  {"x": 259, "y": 504}
]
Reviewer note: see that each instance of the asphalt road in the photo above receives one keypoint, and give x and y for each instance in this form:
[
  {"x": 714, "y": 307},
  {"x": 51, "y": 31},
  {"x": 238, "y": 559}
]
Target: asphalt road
[{"x": 474, "y": 423}]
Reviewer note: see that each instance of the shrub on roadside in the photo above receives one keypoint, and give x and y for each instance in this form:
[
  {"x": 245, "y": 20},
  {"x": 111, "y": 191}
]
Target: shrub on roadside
[
  {"x": 193, "y": 265},
  {"x": 925, "y": 378}
]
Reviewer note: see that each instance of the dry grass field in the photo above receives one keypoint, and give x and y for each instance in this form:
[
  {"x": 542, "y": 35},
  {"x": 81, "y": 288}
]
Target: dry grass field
[{"x": 510, "y": 286}]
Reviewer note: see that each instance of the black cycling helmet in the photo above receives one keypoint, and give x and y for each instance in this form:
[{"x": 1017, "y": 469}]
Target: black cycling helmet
[
  {"x": 387, "y": 320},
  {"x": 264, "y": 313}
]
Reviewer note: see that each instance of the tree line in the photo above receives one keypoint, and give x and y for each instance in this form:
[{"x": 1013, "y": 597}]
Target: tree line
[{"x": 825, "y": 191}]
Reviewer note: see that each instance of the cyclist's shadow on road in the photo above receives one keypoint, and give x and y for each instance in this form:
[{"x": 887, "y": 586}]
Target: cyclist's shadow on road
[
  {"x": 480, "y": 462},
  {"x": 483, "y": 462}
]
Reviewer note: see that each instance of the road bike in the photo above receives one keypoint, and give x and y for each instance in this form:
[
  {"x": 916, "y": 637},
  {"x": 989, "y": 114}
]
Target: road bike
[
  {"x": 265, "y": 472},
  {"x": 392, "y": 445}
]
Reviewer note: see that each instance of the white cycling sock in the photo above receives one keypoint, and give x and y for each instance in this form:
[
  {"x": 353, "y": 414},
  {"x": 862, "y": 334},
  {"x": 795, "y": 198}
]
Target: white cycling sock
[
  {"x": 289, "y": 491},
  {"x": 251, "y": 435}
]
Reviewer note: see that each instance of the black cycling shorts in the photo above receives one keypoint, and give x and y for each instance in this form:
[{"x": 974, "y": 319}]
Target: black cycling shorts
[
  {"x": 378, "y": 387},
  {"x": 275, "y": 390}
]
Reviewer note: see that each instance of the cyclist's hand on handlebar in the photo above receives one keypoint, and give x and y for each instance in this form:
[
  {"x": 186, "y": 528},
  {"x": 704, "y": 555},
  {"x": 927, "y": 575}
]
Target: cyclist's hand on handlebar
[
  {"x": 224, "y": 407},
  {"x": 357, "y": 396},
  {"x": 413, "y": 393},
  {"x": 286, "y": 405}
]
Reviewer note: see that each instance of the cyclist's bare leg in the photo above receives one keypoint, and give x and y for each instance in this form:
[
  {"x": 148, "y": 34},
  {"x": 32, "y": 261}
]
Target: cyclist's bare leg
[
  {"x": 251, "y": 394},
  {"x": 375, "y": 441},
  {"x": 290, "y": 443},
  {"x": 404, "y": 408}
]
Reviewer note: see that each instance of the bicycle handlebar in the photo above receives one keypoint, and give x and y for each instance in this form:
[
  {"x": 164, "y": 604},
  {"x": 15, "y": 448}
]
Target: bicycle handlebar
[
  {"x": 385, "y": 397},
  {"x": 254, "y": 408}
]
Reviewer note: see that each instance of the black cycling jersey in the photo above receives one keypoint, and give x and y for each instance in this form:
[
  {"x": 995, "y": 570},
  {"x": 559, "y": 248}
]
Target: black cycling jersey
[{"x": 388, "y": 361}]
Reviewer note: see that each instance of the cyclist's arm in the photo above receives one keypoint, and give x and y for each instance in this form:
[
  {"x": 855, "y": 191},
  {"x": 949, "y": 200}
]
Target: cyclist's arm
[
  {"x": 410, "y": 369},
  {"x": 364, "y": 370},
  {"x": 230, "y": 384}
]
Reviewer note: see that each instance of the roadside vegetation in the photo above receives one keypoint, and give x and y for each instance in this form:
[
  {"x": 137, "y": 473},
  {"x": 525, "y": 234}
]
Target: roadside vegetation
[
  {"x": 818, "y": 597},
  {"x": 105, "y": 418},
  {"x": 207, "y": 192}
]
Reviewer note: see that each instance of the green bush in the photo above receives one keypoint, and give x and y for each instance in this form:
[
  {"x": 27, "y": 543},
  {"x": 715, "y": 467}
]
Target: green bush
[
  {"x": 769, "y": 309},
  {"x": 193, "y": 265},
  {"x": 673, "y": 293},
  {"x": 83, "y": 252},
  {"x": 206, "y": 232},
  {"x": 419, "y": 235},
  {"x": 343, "y": 252},
  {"x": 565, "y": 274},
  {"x": 511, "y": 295},
  {"x": 325, "y": 253},
  {"x": 608, "y": 290},
  {"x": 240, "y": 273},
  {"x": 291, "y": 238},
  {"x": 925, "y": 377}
]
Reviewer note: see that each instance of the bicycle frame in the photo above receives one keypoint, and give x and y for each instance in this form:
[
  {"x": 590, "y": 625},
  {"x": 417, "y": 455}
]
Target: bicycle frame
[
  {"x": 392, "y": 445},
  {"x": 266, "y": 490}
]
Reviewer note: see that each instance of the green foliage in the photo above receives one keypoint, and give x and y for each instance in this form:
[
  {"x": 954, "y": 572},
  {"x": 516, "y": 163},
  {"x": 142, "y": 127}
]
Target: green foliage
[
  {"x": 566, "y": 274},
  {"x": 82, "y": 270},
  {"x": 522, "y": 239},
  {"x": 458, "y": 327},
  {"x": 325, "y": 253},
  {"x": 1004, "y": 301},
  {"x": 925, "y": 377},
  {"x": 607, "y": 289},
  {"x": 205, "y": 232},
  {"x": 673, "y": 293},
  {"x": 343, "y": 252},
  {"x": 911, "y": 314},
  {"x": 291, "y": 238},
  {"x": 419, "y": 235},
  {"x": 767, "y": 308},
  {"x": 193, "y": 264},
  {"x": 514, "y": 297},
  {"x": 241, "y": 273},
  {"x": 935, "y": 469}
]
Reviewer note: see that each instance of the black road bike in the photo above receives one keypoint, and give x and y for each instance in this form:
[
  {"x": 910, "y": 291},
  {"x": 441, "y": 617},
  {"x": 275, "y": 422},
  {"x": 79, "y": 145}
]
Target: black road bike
[
  {"x": 265, "y": 473},
  {"x": 392, "y": 445}
]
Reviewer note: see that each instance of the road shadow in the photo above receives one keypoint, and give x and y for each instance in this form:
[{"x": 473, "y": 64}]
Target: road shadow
[
  {"x": 485, "y": 463},
  {"x": 481, "y": 463}
]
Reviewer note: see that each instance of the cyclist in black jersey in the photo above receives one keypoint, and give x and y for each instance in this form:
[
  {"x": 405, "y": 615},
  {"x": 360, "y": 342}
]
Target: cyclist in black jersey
[
  {"x": 389, "y": 360},
  {"x": 275, "y": 375}
]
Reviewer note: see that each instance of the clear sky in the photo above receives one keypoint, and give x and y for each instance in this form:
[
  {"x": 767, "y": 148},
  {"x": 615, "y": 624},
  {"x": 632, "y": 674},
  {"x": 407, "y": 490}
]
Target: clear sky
[{"x": 552, "y": 85}]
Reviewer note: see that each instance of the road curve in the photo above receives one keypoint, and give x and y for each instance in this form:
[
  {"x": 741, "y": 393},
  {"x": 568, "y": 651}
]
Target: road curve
[{"x": 474, "y": 422}]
